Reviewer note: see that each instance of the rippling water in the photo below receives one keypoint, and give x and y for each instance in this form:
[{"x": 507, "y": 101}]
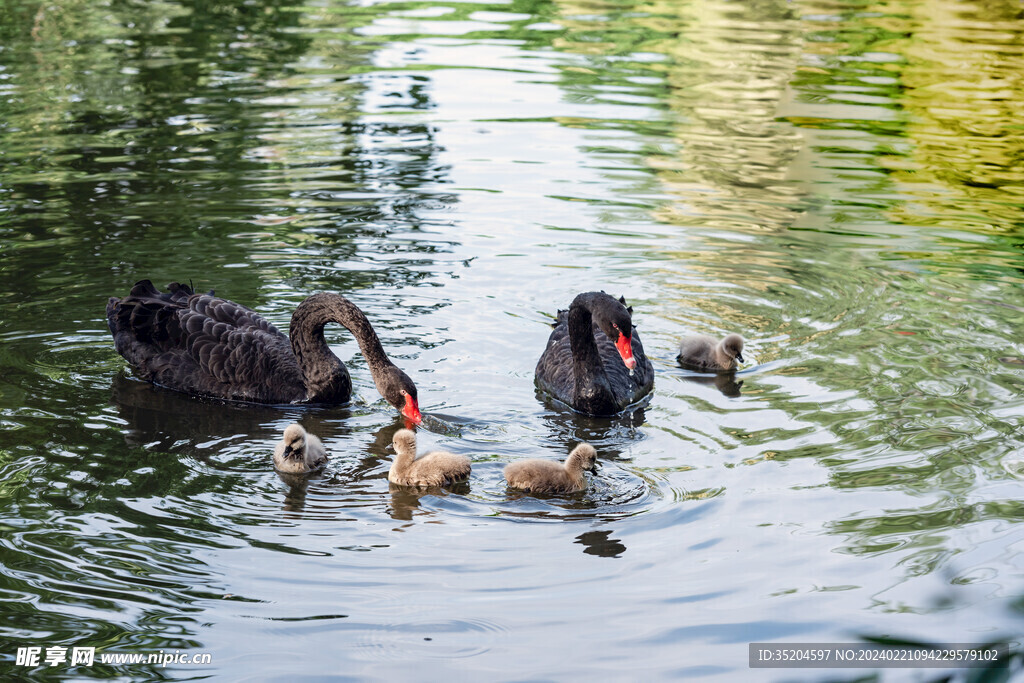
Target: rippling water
[{"x": 841, "y": 183}]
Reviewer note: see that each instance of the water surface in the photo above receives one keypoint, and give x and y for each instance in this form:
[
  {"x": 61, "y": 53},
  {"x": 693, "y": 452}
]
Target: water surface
[{"x": 840, "y": 183}]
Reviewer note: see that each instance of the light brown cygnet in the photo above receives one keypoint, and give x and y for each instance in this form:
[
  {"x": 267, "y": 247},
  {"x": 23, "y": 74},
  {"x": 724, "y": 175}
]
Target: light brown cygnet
[
  {"x": 437, "y": 468},
  {"x": 702, "y": 352},
  {"x": 298, "y": 452},
  {"x": 545, "y": 476}
]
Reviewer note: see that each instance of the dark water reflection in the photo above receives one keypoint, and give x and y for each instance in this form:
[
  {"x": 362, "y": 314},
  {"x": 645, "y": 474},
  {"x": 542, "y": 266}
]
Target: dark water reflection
[
  {"x": 840, "y": 183},
  {"x": 601, "y": 543}
]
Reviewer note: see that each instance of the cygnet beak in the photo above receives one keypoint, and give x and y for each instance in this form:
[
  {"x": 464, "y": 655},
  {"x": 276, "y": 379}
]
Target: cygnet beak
[{"x": 739, "y": 357}]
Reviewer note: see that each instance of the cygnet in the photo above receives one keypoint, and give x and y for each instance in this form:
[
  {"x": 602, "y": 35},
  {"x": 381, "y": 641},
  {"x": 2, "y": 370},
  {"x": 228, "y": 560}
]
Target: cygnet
[
  {"x": 701, "y": 352},
  {"x": 298, "y": 452},
  {"x": 545, "y": 476},
  {"x": 437, "y": 468}
]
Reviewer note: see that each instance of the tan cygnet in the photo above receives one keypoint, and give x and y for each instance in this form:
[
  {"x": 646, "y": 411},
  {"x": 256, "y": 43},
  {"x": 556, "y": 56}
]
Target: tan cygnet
[
  {"x": 298, "y": 452},
  {"x": 705, "y": 353},
  {"x": 545, "y": 476},
  {"x": 437, "y": 468}
]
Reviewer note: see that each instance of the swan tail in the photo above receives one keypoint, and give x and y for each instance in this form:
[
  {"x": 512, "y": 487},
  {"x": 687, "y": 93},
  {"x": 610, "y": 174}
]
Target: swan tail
[
  {"x": 561, "y": 317},
  {"x": 146, "y": 315}
]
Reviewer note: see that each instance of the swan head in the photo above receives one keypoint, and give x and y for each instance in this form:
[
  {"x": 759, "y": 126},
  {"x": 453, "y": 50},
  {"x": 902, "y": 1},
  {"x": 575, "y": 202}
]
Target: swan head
[
  {"x": 398, "y": 389},
  {"x": 294, "y": 441},
  {"x": 586, "y": 456},
  {"x": 404, "y": 441},
  {"x": 616, "y": 321},
  {"x": 733, "y": 346}
]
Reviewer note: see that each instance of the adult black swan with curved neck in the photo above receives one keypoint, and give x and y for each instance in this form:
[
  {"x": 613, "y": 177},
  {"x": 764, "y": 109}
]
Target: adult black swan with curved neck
[
  {"x": 594, "y": 361},
  {"x": 208, "y": 346}
]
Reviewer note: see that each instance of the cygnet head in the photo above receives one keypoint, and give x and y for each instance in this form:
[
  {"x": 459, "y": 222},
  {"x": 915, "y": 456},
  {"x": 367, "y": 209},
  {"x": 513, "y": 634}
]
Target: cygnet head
[
  {"x": 404, "y": 441},
  {"x": 733, "y": 346},
  {"x": 585, "y": 455},
  {"x": 294, "y": 440}
]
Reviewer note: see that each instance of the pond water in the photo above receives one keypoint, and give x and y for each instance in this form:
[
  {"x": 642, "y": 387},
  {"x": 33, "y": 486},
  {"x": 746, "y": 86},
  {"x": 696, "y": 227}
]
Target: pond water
[{"x": 839, "y": 182}]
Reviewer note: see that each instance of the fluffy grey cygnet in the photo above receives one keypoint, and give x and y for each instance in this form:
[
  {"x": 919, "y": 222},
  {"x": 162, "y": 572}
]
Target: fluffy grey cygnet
[
  {"x": 702, "y": 352},
  {"x": 437, "y": 468},
  {"x": 298, "y": 452},
  {"x": 545, "y": 476}
]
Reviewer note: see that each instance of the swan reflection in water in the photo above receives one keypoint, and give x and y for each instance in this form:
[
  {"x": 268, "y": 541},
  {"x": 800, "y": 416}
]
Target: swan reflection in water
[
  {"x": 725, "y": 382},
  {"x": 601, "y": 543},
  {"x": 611, "y": 436},
  {"x": 405, "y": 500},
  {"x": 167, "y": 419}
]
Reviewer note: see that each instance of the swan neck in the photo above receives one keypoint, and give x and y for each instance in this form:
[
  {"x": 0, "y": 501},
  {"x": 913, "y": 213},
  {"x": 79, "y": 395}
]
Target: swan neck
[
  {"x": 581, "y": 335},
  {"x": 591, "y": 389},
  {"x": 307, "y": 331}
]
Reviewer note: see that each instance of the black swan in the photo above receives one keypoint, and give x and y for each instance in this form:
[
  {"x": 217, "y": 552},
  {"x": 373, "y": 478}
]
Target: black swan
[
  {"x": 545, "y": 476},
  {"x": 207, "y": 346},
  {"x": 299, "y": 452},
  {"x": 702, "y": 352},
  {"x": 437, "y": 468},
  {"x": 594, "y": 361}
]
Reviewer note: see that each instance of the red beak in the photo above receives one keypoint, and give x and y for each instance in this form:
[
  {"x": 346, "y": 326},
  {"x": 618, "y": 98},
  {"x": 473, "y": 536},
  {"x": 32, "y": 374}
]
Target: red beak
[
  {"x": 411, "y": 411},
  {"x": 625, "y": 347}
]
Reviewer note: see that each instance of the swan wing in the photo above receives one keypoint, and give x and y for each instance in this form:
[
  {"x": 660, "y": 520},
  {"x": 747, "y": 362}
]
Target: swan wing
[
  {"x": 234, "y": 344},
  {"x": 554, "y": 371},
  {"x": 228, "y": 312},
  {"x": 203, "y": 344}
]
